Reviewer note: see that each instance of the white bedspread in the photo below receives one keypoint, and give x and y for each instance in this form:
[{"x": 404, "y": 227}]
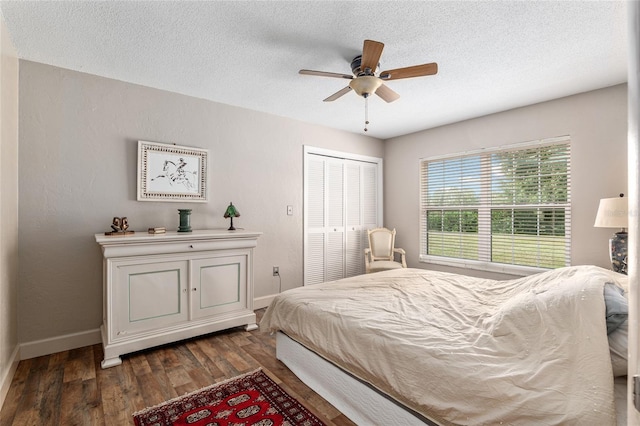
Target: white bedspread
[{"x": 463, "y": 350}]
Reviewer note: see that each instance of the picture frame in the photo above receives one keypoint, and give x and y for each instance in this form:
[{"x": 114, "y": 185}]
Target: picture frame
[{"x": 168, "y": 172}]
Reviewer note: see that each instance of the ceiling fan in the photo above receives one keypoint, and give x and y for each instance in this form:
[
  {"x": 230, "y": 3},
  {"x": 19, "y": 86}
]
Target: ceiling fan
[{"x": 364, "y": 80}]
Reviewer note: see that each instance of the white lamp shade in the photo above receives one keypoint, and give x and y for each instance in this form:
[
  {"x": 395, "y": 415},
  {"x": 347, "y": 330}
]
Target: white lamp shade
[{"x": 612, "y": 213}]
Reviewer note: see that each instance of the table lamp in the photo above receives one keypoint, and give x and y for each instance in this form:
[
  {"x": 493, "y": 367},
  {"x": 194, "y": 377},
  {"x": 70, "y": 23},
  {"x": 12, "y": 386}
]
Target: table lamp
[
  {"x": 231, "y": 213},
  {"x": 614, "y": 213}
]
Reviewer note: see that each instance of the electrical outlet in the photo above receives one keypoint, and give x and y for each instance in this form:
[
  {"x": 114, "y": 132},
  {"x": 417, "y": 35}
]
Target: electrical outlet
[{"x": 276, "y": 271}]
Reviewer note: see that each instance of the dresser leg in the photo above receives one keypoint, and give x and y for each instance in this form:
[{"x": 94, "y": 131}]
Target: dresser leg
[
  {"x": 251, "y": 327},
  {"x": 111, "y": 362}
]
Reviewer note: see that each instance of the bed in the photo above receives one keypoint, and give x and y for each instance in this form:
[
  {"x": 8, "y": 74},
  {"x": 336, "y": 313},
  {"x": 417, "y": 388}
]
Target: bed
[{"x": 448, "y": 349}]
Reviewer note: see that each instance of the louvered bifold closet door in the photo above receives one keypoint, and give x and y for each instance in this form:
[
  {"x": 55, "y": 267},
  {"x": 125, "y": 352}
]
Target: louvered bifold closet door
[
  {"x": 371, "y": 214},
  {"x": 315, "y": 220},
  {"x": 362, "y": 211},
  {"x": 353, "y": 214},
  {"x": 342, "y": 201},
  {"x": 334, "y": 269}
]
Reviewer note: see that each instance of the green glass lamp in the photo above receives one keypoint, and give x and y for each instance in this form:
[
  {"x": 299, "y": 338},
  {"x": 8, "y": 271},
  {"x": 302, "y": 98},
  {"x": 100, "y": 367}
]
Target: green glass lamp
[{"x": 231, "y": 213}]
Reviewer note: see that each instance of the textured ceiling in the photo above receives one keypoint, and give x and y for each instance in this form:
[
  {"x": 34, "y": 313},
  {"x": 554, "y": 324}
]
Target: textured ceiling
[{"x": 492, "y": 55}]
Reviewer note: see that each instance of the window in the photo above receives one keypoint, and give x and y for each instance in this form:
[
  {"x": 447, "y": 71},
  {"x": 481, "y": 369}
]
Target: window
[{"x": 495, "y": 208}]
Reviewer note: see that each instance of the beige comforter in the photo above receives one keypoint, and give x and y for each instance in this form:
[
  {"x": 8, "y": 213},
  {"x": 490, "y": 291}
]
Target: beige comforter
[{"x": 463, "y": 350}]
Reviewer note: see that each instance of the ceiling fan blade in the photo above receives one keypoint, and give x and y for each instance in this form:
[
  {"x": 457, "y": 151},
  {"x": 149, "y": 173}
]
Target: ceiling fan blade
[
  {"x": 338, "y": 94},
  {"x": 326, "y": 74},
  {"x": 408, "y": 72},
  {"x": 386, "y": 93},
  {"x": 371, "y": 52}
]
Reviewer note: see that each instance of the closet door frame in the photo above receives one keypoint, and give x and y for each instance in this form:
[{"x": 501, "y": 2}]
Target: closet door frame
[{"x": 310, "y": 151}]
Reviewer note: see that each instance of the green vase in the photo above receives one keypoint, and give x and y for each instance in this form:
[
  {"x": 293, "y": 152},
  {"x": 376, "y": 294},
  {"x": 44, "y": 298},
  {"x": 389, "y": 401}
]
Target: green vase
[{"x": 185, "y": 220}]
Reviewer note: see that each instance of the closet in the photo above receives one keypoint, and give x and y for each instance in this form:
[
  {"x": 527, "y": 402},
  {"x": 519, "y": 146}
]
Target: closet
[{"x": 342, "y": 199}]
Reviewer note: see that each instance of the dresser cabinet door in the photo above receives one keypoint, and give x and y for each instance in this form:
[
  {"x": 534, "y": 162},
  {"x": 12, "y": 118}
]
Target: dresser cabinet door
[
  {"x": 219, "y": 285},
  {"x": 148, "y": 296}
]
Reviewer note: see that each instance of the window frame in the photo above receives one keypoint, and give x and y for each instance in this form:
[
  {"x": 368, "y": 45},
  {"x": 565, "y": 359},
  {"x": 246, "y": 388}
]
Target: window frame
[{"x": 484, "y": 209}]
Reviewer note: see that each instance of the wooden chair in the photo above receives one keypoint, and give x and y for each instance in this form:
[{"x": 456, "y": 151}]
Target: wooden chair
[{"x": 380, "y": 256}]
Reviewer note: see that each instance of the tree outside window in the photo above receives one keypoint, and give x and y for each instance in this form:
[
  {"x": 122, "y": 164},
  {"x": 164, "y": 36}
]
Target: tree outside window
[{"x": 510, "y": 206}]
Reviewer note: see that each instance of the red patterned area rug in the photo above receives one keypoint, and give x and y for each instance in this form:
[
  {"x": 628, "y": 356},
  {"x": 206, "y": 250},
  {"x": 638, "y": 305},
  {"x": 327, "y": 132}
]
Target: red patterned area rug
[{"x": 252, "y": 399}]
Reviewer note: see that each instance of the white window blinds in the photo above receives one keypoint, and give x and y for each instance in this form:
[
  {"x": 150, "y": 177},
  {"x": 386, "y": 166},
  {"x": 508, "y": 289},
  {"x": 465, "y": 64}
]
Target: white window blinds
[{"x": 507, "y": 206}]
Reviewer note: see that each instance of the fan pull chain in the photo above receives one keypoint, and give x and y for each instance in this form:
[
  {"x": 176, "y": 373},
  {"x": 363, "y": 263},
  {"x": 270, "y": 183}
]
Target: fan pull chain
[{"x": 366, "y": 112}]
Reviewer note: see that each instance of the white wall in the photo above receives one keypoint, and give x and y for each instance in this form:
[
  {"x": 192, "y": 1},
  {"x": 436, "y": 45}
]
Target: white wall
[
  {"x": 78, "y": 156},
  {"x": 597, "y": 124},
  {"x": 8, "y": 211}
]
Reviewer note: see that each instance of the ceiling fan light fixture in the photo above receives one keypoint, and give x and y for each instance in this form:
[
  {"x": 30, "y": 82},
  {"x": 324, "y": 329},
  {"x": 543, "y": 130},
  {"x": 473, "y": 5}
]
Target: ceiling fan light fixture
[{"x": 366, "y": 84}]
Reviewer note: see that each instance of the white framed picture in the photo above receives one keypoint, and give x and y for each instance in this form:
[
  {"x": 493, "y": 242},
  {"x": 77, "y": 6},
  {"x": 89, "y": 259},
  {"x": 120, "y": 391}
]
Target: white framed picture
[{"x": 168, "y": 172}]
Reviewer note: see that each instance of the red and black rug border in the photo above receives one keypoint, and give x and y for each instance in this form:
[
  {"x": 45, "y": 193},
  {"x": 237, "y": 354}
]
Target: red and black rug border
[{"x": 290, "y": 408}]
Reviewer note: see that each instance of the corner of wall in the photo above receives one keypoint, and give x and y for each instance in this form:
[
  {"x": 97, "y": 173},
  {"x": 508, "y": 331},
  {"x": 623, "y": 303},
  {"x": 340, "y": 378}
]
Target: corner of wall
[
  {"x": 52, "y": 345},
  {"x": 7, "y": 376},
  {"x": 9, "y": 83}
]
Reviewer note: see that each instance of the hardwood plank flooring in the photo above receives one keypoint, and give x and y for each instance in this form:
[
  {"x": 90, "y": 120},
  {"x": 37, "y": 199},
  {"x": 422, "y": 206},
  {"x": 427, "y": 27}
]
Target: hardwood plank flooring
[{"x": 69, "y": 388}]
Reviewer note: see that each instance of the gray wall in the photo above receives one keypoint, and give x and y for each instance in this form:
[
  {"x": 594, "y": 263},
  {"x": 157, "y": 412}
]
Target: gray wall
[
  {"x": 597, "y": 124},
  {"x": 8, "y": 211},
  {"x": 78, "y": 140},
  {"x": 78, "y": 156}
]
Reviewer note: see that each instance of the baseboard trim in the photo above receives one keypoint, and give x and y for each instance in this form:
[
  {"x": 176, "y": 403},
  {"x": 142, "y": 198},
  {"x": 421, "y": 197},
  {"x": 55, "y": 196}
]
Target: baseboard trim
[
  {"x": 7, "y": 378},
  {"x": 263, "y": 302},
  {"x": 60, "y": 343},
  {"x": 67, "y": 342}
]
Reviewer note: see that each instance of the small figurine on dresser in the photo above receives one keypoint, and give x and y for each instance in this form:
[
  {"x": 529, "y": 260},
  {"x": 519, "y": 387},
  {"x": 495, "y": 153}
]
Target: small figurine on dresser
[{"x": 120, "y": 226}]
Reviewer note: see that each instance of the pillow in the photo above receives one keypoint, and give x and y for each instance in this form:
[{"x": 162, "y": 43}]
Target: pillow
[
  {"x": 617, "y": 306},
  {"x": 618, "y": 341}
]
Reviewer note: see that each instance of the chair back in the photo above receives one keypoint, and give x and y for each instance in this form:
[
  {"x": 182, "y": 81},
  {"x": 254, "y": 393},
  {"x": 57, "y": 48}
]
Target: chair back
[{"x": 381, "y": 243}]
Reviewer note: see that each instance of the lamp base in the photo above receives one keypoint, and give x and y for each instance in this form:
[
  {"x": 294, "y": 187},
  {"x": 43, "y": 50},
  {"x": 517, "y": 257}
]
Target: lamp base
[
  {"x": 618, "y": 245},
  {"x": 231, "y": 228}
]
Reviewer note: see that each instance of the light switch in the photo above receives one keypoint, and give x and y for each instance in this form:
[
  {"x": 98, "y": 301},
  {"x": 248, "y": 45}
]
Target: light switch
[{"x": 289, "y": 210}]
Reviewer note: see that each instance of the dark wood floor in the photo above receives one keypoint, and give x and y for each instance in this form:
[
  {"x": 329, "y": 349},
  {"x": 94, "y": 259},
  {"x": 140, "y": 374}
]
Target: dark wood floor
[{"x": 70, "y": 388}]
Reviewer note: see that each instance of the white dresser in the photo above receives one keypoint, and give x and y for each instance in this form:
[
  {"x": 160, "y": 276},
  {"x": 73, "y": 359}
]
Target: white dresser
[{"x": 161, "y": 288}]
